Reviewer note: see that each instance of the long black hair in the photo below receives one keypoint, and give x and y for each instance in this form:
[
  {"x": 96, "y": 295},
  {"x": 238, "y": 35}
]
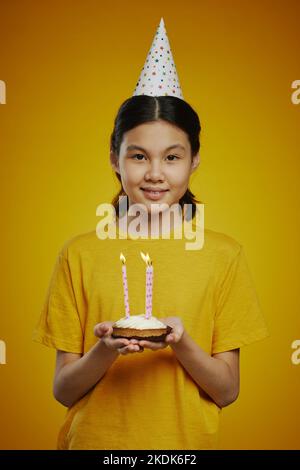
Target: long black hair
[{"x": 143, "y": 108}]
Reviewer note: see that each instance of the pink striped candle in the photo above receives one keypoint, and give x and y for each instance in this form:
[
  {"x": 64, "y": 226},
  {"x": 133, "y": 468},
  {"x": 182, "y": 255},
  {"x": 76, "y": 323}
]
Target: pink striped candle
[
  {"x": 149, "y": 284},
  {"x": 125, "y": 285}
]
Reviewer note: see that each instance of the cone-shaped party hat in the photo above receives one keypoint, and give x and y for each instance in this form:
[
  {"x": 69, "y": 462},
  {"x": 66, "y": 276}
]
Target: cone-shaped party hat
[{"x": 159, "y": 76}]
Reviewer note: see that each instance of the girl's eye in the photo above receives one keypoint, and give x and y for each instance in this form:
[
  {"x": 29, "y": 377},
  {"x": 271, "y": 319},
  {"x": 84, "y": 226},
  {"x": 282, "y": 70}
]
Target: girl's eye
[
  {"x": 172, "y": 158},
  {"x": 138, "y": 155}
]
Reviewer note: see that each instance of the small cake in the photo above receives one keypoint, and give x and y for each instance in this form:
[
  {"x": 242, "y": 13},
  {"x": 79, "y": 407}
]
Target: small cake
[{"x": 140, "y": 327}]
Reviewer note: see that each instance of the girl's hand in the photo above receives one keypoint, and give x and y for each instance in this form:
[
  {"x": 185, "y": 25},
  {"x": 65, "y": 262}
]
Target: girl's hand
[
  {"x": 174, "y": 337},
  {"x": 122, "y": 345}
]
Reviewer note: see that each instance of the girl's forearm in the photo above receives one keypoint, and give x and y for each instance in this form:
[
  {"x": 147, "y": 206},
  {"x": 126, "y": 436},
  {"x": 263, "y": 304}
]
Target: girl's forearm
[
  {"x": 213, "y": 375},
  {"x": 76, "y": 378}
]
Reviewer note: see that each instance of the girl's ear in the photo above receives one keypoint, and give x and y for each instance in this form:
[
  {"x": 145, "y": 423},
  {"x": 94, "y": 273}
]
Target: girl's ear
[
  {"x": 114, "y": 161},
  {"x": 195, "y": 162}
]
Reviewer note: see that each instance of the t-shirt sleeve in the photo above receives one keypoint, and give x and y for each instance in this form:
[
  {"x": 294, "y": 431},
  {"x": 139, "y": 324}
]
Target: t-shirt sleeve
[
  {"x": 238, "y": 319},
  {"x": 59, "y": 325}
]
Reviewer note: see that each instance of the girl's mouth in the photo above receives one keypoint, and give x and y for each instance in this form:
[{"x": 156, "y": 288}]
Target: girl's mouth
[{"x": 154, "y": 195}]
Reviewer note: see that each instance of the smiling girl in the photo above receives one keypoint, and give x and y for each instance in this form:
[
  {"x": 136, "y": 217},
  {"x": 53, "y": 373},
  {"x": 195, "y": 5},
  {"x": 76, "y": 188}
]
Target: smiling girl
[{"x": 134, "y": 394}]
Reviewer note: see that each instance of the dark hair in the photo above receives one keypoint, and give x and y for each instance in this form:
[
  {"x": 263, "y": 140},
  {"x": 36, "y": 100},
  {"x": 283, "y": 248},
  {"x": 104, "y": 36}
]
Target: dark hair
[{"x": 143, "y": 108}]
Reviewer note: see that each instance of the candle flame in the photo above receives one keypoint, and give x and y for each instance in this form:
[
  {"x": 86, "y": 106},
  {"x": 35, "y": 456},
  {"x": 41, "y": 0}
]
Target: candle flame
[
  {"x": 122, "y": 258},
  {"x": 146, "y": 258}
]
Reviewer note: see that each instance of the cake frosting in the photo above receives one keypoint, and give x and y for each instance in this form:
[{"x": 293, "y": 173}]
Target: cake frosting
[{"x": 140, "y": 322}]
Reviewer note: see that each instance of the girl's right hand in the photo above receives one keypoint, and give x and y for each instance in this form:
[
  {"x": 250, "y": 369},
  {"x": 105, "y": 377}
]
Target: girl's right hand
[{"x": 122, "y": 345}]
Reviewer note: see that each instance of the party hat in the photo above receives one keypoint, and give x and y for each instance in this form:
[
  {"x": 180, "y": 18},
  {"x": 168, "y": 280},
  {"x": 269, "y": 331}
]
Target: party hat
[{"x": 159, "y": 76}]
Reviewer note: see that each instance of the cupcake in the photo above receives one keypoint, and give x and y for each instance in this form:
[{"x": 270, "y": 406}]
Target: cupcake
[{"x": 140, "y": 327}]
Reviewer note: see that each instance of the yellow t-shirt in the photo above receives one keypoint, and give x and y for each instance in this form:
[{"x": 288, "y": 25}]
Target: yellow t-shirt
[{"x": 147, "y": 400}]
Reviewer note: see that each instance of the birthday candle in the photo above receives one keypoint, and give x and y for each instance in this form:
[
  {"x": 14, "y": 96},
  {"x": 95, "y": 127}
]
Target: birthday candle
[
  {"x": 125, "y": 285},
  {"x": 149, "y": 284}
]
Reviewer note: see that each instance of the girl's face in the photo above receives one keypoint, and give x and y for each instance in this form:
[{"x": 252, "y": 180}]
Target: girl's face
[{"x": 155, "y": 163}]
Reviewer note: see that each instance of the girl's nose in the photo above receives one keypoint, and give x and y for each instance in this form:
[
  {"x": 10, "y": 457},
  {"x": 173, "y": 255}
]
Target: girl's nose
[{"x": 154, "y": 172}]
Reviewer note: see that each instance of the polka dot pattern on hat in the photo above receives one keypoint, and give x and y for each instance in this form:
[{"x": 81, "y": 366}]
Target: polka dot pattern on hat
[{"x": 159, "y": 76}]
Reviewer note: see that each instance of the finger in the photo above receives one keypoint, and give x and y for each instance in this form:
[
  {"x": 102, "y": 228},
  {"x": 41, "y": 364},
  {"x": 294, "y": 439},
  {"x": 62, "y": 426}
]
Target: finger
[
  {"x": 130, "y": 348},
  {"x": 134, "y": 341},
  {"x": 102, "y": 329},
  {"x": 152, "y": 345},
  {"x": 170, "y": 338},
  {"x": 118, "y": 343},
  {"x": 133, "y": 348},
  {"x": 122, "y": 351}
]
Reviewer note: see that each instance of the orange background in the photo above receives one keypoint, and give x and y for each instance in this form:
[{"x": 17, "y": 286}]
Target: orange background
[{"x": 68, "y": 65}]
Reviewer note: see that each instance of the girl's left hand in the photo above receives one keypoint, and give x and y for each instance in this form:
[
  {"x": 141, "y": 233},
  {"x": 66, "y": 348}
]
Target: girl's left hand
[{"x": 174, "y": 337}]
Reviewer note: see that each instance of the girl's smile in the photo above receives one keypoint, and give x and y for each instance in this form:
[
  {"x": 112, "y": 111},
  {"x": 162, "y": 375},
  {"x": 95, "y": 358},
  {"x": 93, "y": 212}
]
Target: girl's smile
[{"x": 154, "y": 194}]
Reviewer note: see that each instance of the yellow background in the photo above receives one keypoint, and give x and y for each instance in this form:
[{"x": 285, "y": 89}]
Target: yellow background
[{"x": 68, "y": 65}]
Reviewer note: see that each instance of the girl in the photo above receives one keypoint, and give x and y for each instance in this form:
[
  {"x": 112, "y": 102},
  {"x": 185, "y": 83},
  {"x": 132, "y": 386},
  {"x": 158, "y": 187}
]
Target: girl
[{"x": 134, "y": 394}]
